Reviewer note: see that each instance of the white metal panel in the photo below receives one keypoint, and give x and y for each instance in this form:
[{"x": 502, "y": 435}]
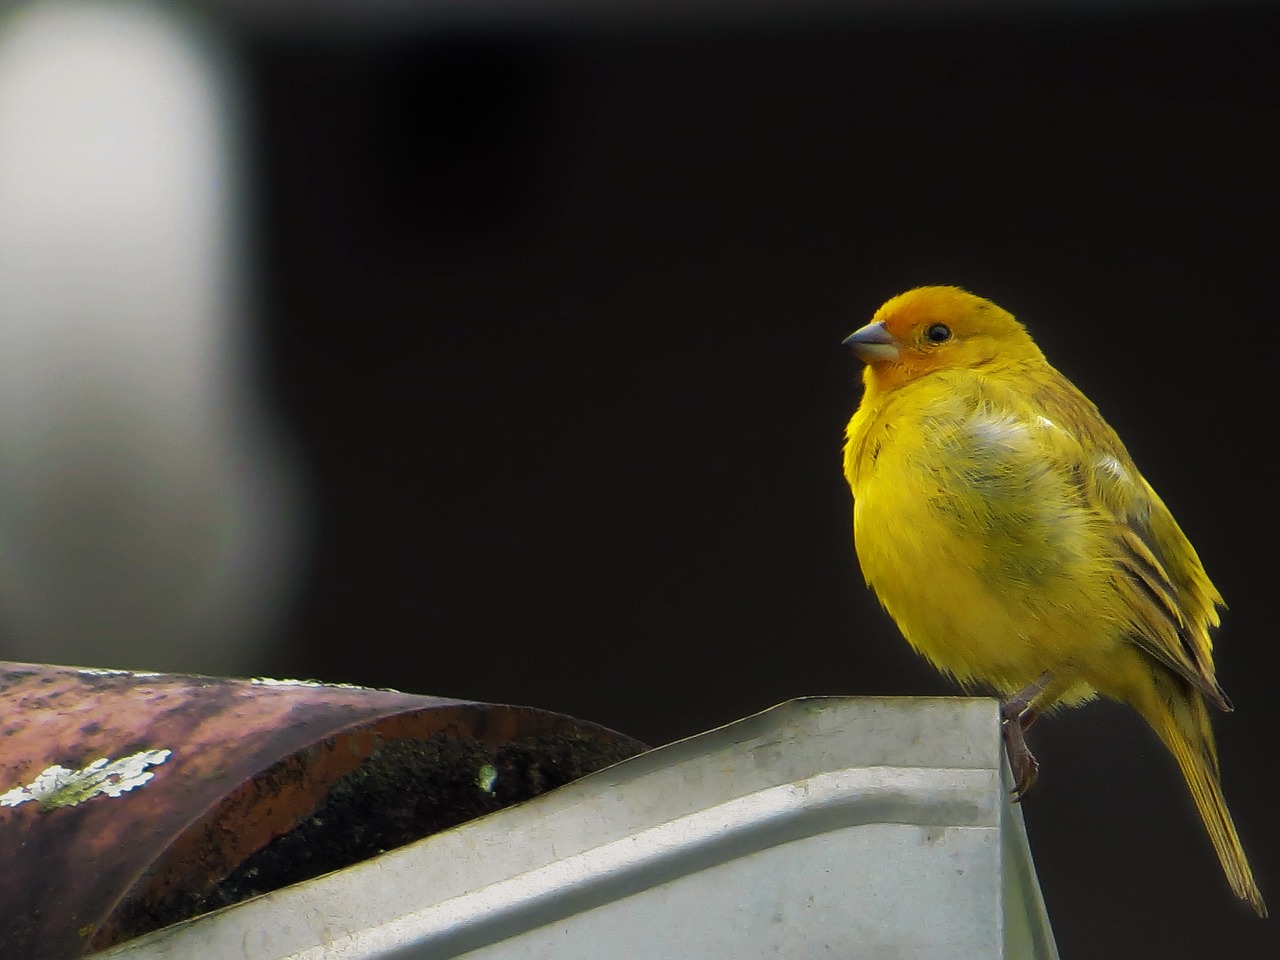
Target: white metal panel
[{"x": 824, "y": 827}]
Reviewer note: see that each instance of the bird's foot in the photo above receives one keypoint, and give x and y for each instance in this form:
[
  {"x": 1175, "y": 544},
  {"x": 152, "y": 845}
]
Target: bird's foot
[
  {"x": 1015, "y": 718},
  {"x": 1016, "y": 714}
]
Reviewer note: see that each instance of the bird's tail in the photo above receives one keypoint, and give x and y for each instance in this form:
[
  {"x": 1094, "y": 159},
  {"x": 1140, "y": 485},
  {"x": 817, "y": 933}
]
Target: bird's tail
[{"x": 1182, "y": 721}]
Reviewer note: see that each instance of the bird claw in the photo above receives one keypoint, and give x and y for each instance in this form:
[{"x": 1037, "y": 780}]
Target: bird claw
[
  {"x": 1016, "y": 714},
  {"x": 1022, "y": 762}
]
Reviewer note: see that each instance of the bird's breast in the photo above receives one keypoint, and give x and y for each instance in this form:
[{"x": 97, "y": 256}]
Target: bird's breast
[{"x": 975, "y": 543}]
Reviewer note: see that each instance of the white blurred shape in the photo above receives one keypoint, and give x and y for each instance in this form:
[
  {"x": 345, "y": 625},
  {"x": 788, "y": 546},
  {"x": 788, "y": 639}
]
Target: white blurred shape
[{"x": 148, "y": 514}]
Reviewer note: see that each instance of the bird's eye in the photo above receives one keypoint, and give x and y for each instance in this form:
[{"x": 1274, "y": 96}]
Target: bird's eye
[{"x": 938, "y": 333}]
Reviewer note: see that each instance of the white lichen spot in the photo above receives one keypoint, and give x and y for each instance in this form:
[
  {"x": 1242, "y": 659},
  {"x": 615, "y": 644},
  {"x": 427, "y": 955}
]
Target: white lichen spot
[
  {"x": 108, "y": 672},
  {"x": 314, "y": 684},
  {"x": 58, "y": 786},
  {"x": 487, "y": 777}
]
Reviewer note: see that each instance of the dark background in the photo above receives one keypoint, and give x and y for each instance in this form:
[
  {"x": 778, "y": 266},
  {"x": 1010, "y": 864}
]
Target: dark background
[{"x": 555, "y": 314}]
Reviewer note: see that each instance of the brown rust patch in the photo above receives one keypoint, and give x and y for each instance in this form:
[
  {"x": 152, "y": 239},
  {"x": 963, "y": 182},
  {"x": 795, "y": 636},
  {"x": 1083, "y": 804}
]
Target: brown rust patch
[{"x": 266, "y": 785}]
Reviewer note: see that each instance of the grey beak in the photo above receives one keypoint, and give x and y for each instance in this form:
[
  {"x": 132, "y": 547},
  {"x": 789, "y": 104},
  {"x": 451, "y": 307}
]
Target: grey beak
[{"x": 873, "y": 344}]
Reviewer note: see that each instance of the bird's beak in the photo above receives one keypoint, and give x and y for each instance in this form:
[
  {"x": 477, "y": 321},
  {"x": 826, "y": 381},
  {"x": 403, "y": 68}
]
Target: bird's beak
[{"x": 873, "y": 343}]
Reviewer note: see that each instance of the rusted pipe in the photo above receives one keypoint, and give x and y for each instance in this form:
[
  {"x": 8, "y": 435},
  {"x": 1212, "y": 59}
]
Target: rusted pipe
[{"x": 129, "y": 801}]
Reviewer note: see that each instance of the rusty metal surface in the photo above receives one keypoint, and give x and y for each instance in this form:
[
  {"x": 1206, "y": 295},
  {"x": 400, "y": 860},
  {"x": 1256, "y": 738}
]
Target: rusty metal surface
[{"x": 127, "y": 799}]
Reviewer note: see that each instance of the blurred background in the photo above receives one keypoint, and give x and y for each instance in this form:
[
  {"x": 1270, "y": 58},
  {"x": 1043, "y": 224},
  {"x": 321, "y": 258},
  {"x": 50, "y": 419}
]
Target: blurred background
[{"x": 492, "y": 350}]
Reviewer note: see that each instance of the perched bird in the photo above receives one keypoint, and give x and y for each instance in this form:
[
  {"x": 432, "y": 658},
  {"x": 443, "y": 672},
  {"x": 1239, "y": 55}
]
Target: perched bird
[{"x": 1007, "y": 531}]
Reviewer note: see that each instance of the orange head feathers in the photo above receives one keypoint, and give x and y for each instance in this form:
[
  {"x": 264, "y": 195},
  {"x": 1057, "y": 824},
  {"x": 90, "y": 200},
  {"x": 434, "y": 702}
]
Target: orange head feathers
[{"x": 935, "y": 328}]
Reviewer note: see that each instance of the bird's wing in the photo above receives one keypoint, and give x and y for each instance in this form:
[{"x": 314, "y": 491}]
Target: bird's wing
[{"x": 1162, "y": 581}]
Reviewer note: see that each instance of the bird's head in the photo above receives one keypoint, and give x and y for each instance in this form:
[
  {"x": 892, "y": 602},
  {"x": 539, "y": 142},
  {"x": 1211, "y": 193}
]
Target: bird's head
[{"x": 938, "y": 328}]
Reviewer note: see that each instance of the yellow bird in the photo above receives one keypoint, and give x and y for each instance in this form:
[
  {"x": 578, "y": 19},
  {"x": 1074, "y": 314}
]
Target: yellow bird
[{"x": 1007, "y": 531}]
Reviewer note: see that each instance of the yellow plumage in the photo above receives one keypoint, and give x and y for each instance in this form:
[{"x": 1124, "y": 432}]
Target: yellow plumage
[{"x": 1004, "y": 527}]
